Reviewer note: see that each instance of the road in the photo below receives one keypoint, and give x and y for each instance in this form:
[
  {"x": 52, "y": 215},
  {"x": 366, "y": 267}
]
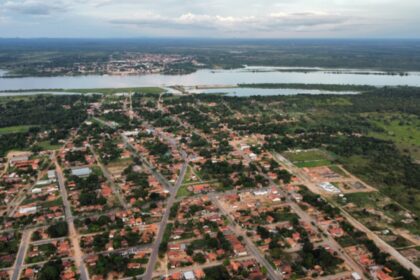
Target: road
[
  {"x": 162, "y": 180},
  {"x": 155, "y": 249},
  {"x": 355, "y": 223},
  {"x": 115, "y": 189},
  {"x": 382, "y": 244},
  {"x": 327, "y": 238},
  {"x": 21, "y": 196},
  {"x": 130, "y": 250},
  {"x": 250, "y": 246},
  {"x": 197, "y": 266},
  {"x": 20, "y": 258},
  {"x": 47, "y": 241},
  {"x": 78, "y": 255},
  {"x": 303, "y": 216}
]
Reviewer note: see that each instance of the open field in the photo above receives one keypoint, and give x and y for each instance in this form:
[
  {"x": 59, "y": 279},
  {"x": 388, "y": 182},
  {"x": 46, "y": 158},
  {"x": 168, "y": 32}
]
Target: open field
[
  {"x": 46, "y": 145},
  {"x": 183, "y": 192},
  {"x": 378, "y": 211},
  {"x": 403, "y": 130},
  {"x": 309, "y": 158},
  {"x": 15, "y": 129}
]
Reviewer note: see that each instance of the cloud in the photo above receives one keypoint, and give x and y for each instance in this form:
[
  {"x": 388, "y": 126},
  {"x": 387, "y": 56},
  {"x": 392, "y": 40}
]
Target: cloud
[
  {"x": 33, "y": 7},
  {"x": 188, "y": 20},
  {"x": 291, "y": 21},
  {"x": 224, "y": 18}
]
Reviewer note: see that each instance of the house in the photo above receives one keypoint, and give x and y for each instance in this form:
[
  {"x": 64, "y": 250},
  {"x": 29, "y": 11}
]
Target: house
[
  {"x": 382, "y": 275},
  {"x": 199, "y": 274}
]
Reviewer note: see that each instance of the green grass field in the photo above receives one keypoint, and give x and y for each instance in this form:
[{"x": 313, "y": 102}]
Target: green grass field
[
  {"x": 46, "y": 145},
  {"x": 403, "y": 130},
  {"x": 15, "y": 129},
  {"x": 312, "y": 163},
  {"x": 338, "y": 170},
  {"x": 310, "y": 158},
  {"x": 183, "y": 192}
]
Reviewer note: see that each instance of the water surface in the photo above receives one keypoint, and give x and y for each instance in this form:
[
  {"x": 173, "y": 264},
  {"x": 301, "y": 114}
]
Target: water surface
[
  {"x": 209, "y": 77},
  {"x": 246, "y": 92}
]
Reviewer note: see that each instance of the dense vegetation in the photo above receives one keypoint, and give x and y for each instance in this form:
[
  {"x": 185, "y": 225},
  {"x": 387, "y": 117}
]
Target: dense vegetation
[
  {"x": 311, "y": 86},
  {"x": 54, "y": 114}
]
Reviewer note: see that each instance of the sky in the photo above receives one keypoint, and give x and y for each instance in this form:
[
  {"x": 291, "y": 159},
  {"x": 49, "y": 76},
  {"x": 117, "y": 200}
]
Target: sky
[{"x": 210, "y": 18}]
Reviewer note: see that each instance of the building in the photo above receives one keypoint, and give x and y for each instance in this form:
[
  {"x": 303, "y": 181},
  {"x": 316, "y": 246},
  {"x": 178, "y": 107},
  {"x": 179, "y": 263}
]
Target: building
[
  {"x": 81, "y": 171},
  {"x": 51, "y": 174},
  {"x": 328, "y": 187},
  {"x": 27, "y": 210},
  {"x": 260, "y": 192},
  {"x": 19, "y": 158},
  {"x": 189, "y": 275},
  {"x": 355, "y": 276}
]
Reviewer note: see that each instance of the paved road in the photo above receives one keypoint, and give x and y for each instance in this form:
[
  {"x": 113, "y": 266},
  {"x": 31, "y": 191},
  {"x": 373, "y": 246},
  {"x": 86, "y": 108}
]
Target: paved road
[
  {"x": 78, "y": 255},
  {"x": 26, "y": 238},
  {"x": 155, "y": 250}
]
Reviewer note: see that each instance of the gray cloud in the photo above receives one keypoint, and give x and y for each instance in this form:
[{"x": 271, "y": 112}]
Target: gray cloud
[
  {"x": 302, "y": 20},
  {"x": 33, "y": 7},
  {"x": 218, "y": 18}
]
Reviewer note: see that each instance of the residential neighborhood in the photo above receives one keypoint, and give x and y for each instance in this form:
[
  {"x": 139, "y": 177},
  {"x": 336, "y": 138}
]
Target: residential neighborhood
[{"x": 157, "y": 186}]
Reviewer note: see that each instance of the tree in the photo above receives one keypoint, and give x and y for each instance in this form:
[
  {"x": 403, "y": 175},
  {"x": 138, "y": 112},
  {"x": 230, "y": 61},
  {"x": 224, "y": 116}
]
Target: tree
[
  {"x": 51, "y": 270},
  {"x": 199, "y": 257},
  {"x": 59, "y": 229}
]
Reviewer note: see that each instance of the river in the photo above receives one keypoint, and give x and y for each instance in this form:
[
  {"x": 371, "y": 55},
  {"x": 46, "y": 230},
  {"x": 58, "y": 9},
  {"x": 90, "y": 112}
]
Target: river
[{"x": 213, "y": 77}]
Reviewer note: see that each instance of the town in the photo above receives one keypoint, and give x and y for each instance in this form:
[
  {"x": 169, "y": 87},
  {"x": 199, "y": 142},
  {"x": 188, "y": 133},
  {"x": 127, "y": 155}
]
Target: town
[
  {"x": 115, "y": 63},
  {"x": 163, "y": 186}
]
